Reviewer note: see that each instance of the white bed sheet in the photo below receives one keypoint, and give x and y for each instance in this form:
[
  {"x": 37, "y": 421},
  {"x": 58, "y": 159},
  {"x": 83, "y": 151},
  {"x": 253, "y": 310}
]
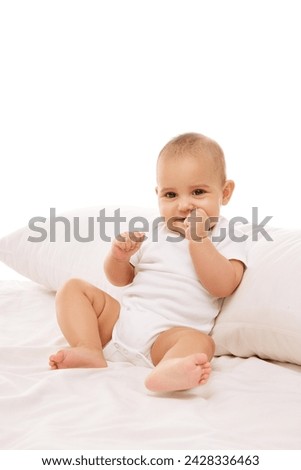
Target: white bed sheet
[{"x": 247, "y": 404}]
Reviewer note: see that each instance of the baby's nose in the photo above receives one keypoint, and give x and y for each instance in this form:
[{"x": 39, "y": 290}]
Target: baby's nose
[{"x": 185, "y": 204}]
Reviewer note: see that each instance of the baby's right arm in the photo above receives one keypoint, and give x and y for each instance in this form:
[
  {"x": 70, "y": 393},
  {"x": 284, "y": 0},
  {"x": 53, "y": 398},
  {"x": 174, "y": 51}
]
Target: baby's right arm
[{"x": 117, "y": 266}]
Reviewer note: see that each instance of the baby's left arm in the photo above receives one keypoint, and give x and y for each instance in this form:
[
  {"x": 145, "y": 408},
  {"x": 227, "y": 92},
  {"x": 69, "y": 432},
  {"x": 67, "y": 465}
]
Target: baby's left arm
[{"x": 219, "y": 275}]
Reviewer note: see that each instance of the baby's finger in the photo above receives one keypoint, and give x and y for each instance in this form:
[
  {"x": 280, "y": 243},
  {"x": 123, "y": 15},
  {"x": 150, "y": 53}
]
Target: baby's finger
[
  {"x": 137, "y": 236},
  {"x": 122, "y": 237},
  {"x": 199, "y": 212}
]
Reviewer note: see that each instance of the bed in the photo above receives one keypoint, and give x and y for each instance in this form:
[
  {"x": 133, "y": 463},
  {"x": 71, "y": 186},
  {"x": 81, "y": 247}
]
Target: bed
[{"x": 252, "y": 400}]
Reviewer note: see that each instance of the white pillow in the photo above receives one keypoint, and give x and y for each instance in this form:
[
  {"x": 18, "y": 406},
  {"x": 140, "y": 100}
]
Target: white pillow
[
  {"x": 52, "y": 263},
  {"x": 263, "y": 317}
]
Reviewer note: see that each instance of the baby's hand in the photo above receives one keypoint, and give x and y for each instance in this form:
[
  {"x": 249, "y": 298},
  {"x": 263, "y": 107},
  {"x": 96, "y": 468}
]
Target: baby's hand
[
  {"x": 198, "y": 224},
  {"x": 126, "y": 244}
]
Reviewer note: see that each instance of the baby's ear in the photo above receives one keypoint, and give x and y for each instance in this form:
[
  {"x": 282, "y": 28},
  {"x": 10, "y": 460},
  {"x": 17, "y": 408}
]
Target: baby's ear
[{"x": 228, "y": 191}]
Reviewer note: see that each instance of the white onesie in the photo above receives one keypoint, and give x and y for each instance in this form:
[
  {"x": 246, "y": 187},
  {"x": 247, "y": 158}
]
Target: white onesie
[{"x": 166, "y": 291}]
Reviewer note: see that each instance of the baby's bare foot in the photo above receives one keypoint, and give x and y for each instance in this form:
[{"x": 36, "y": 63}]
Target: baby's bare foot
[
  {"x": 179, "y": 374},
  {"x": 77, "y": 357}
]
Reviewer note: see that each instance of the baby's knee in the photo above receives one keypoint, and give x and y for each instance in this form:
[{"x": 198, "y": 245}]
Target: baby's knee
[
  {"x": 202, "y": 338},
  {"x": 69, "y": 287}
]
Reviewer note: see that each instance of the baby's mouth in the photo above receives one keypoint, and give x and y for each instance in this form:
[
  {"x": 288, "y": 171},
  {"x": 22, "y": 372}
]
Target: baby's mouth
[{"x": 178, "y": 219}]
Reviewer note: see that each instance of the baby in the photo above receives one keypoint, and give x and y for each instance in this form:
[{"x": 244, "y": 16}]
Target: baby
[{"x": 176, "y": 282}]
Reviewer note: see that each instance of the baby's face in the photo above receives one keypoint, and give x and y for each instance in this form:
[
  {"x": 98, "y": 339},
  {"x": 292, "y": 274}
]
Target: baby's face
[{"x": 187, "y": 183}]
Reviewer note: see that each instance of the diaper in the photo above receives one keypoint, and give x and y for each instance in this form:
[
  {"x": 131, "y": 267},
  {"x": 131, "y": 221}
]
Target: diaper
[{"x": 115, "y": 351}]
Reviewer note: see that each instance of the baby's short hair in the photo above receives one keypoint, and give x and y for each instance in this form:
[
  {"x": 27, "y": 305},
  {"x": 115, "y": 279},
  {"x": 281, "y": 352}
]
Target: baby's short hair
[{"x": 197, "y": 145}]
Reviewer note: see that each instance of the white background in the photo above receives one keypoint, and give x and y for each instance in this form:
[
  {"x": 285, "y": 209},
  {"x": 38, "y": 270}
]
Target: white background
[{"x": 90, "y": 91}]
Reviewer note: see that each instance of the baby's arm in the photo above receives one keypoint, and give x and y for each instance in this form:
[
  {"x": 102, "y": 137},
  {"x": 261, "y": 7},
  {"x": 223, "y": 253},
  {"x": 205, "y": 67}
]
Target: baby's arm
[
  {"x": 219, "y": 275},
  {"x": 117, "y": 266}
]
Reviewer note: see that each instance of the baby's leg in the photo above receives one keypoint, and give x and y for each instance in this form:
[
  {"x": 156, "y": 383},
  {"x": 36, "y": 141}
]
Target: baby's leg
[
  {"x": 86, "y": 316},
  {"x": 181, "y": 356}
]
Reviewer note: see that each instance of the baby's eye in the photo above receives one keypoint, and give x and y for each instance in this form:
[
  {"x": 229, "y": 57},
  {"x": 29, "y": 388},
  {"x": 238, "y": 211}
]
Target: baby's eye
[
  {"x": 170, "y": 195},
  {"x": 198, "y": 192}
]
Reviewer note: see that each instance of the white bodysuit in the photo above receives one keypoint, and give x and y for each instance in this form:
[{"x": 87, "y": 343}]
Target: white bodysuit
[{"x": 166, "y": 291}]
